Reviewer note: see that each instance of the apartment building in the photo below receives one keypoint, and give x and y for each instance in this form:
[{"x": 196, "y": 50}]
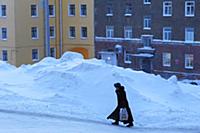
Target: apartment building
[
  {"x": 33, "y": 29},
  {"x": 156, "y": 36}
]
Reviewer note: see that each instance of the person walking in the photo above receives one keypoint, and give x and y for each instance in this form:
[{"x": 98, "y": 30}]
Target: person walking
[{"x": 122, "y": 102}]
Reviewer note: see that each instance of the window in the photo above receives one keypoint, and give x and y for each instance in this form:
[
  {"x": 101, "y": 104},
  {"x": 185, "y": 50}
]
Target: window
[
  {"x": 34, "y": 33},
  {"x": 4, "y": 55},
  {"x": 51, "y": 11},
  {"x": 71, "y": 10},
  {"x": 72, "y": 32},
  {"x": 35, "y": 54},
  {"x": 52, "y": 31},
  {"x": 83, "y": 10},
  {"x": 3, "y": 33},
  {"x": 53, "y": 52},
  {"x": 189, "y": 58},
  {"x": 127, "y": 57},
  {"x": 128, "y": 9},
  {"x": 83, "y": 32},
  {"x": 147, "y": 22},
  {"x": 146, "y": 40},
  {"x": 167, "y": 8},
  {"x": 167, "y": 33},
  {"x": 147, "y": 1},
  {"x": 109, "y": 10},
  {"x": 189, "y": 8},
  {"x": 189, "y": 34},
  {"x": 34, "y": 10},
  {"x": 3, "y": 11},
  {"x": 109, "y": 31},
  {"x": 166, "y": 59},
  {"x": 128, "y": 33}
]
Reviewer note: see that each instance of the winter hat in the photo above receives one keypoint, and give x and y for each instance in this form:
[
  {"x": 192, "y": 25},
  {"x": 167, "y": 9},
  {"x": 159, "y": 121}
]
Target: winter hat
[{"x": 117, "y": 85}]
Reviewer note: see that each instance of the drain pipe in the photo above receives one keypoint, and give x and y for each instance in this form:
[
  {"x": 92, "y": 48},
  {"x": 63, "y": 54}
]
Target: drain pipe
[
  {"x": 61, "y": 29},
  {"x": 46, "y": 26}
]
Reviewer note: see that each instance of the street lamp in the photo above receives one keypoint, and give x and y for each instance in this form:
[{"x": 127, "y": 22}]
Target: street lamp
[{"x": 46, "y": 26}]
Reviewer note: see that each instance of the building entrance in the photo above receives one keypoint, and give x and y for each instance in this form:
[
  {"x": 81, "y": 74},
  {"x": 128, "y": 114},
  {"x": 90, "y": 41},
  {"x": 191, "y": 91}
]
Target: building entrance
[{"x": 146, "y": 65}]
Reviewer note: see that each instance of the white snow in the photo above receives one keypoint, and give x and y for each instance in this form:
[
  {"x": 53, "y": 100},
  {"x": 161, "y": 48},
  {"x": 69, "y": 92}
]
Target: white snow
[
  {"x": 143, "y": 55},
  {"x": 83, "y": 89}
]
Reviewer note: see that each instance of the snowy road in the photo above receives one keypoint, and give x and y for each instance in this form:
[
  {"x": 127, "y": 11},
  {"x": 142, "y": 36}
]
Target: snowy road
[{"x": 24, "y": 122}]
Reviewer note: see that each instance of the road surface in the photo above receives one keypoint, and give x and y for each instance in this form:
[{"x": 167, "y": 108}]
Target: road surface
[{"x": 25, "y": 122}]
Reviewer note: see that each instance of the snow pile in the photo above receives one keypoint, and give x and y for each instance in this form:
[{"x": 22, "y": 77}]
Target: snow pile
[
  {"x": 71, "y": 56},
  {"x": 75, "y": 87},
  {"x": 6, "y": 67},
  {"x": 173, "y": 79}
]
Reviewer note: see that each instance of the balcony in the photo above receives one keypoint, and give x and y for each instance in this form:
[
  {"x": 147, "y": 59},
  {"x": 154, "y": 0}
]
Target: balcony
[
  {"x": 109, "y": 14},
  {"x": 146, "y": 49},
  {"x": 128, "y": 14}
]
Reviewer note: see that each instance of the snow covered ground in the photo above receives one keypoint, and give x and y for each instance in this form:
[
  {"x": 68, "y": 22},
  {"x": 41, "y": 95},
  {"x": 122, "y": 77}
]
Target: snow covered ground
[
  {"x": 13, "y": 123},
  {"x": 76, "y": 95}
]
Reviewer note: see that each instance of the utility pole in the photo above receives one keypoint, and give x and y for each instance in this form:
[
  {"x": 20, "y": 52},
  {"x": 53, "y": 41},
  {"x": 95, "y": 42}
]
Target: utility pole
[
  {"x": 61, "y": 28},
  {"x": 46, "y": 26}
]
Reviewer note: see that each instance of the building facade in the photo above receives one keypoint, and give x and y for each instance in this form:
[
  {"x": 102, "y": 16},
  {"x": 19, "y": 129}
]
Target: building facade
[
  {"x": 33, "y": 29},
  {"x": 156, "y": 36}
]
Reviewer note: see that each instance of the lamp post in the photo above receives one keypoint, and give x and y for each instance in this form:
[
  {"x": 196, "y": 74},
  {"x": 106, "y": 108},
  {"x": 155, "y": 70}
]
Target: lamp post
[
  {"x": 46, "y": 26},
  {"x": 61, "y": 28}
]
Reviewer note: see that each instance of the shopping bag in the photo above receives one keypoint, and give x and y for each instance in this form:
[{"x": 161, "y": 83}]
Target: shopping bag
[{"x": 123, "y": 114}]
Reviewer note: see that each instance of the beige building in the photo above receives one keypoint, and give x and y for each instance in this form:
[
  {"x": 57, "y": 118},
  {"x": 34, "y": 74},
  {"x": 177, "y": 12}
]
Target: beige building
[{"x": 26, "y": 28}]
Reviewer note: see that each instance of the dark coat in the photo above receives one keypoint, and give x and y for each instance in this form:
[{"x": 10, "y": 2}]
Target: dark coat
[{"x": 122, "y": 102}]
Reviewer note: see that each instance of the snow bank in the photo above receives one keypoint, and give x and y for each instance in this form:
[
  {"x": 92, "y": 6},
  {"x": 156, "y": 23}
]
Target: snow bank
[
  {"x": 71, "y": 56},
  {"x": 6, "y": 67},
  {"x": 82, "y": 88},
  {"x": 173, "y": 79}
]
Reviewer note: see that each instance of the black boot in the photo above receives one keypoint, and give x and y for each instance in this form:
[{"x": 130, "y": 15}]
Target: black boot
[
  {"x": 130, "y": 125},
  {"x": 115, "y": 123}
]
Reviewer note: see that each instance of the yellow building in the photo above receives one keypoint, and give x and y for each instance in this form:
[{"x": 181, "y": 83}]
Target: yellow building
[{"x": 28, "y": 32}]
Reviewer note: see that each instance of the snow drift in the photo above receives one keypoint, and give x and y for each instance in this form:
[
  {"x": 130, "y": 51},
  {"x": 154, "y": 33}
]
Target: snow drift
[{"x": 75, "y": 87}]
